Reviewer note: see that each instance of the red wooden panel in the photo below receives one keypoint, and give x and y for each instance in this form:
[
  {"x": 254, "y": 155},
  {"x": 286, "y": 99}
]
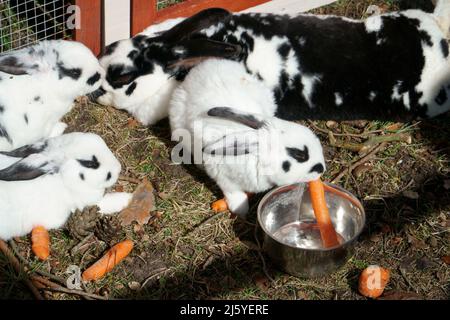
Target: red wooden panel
[
  {"x": 143, "y": 12},
  {"x": 90, "y": 24},
  {"x": 150, "y": 15}
]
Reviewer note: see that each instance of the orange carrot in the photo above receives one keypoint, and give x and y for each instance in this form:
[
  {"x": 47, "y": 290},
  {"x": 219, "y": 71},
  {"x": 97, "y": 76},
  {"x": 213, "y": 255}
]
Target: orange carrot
[
  {"x": 219, "y": 206},
  {"x": 327, "y": 232},
  {"x": 372, "y": 281},
  {"x": 40, "y": 240},
  {"x": 222, "y": 206},
  {"x": 112, "y": 257}
]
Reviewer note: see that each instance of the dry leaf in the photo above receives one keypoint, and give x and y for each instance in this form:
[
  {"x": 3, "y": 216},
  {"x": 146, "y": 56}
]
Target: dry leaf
[
  {"x": 400, "y": 295},
  {"x": 262, "y": 282},
  {"x": 446, "y": 259},
  {"x": 141, "y": 205},
  {"x": 132, "y": 123},
  {"x": 361, "y": 169},
  {"x": 394, "y": 127}
]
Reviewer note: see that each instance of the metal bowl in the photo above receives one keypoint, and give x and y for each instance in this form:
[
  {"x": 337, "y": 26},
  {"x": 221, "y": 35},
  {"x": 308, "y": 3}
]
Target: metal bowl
[{"x": 291, "y": 237}]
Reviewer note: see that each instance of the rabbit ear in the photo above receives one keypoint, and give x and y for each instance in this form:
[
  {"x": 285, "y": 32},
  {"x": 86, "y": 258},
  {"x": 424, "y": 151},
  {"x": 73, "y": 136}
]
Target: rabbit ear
[
  {"x": 25, "y": 151},
  {"x": 189, "y": 53},
  {"x": 197, "y": 22},
  {"x": 237, "y": 116},
  {"x": 235, "y": 144},
  {"x": 20, "y": 62},
  {"x": 29, "y": 168}
]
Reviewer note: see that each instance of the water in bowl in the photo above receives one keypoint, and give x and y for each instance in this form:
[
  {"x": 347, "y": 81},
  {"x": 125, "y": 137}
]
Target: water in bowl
[{"x": 302, "y": 234}]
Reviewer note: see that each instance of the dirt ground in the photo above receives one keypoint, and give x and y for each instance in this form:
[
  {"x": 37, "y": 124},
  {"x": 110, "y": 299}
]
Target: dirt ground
[{"x": 192, "y": 253}]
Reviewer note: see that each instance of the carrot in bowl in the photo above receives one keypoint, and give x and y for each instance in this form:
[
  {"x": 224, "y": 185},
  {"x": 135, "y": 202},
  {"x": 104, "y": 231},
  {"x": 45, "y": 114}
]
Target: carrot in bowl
[
  {"x": 327, "y": 232},
  {"x": 112, "y": 257},
  {"x": 40, "y": 240}
]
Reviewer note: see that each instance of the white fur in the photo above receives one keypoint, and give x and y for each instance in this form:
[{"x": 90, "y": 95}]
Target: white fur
[
  {"x": 149, "y": 102},
  {"x": 436, "y": 72},
  {"x": 223, "y": 83},
  {"x": 41, "y": 95},
  {"x": 48, "y": 200},
  {"x": 442, "y": 15}
]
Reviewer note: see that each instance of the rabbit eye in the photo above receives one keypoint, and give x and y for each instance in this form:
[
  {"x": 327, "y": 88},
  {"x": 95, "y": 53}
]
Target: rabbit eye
[
  {"x": 108, "y": 177},
  {"x": 82, "y": 176},
  {"x": 286, "y": 166}
]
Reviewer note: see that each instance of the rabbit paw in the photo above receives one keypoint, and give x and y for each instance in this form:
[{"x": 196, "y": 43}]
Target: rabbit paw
[
  {"x": 114, "y": 202},
  {"x": 237, "y": 203}
]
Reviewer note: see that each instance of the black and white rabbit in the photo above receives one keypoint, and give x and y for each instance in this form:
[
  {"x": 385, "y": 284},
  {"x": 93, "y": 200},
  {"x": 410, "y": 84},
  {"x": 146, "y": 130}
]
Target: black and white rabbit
[
  {"x": 42, "y": 183},
  {"x": 143, "y": 88},
  {"x": 395, "y": 66},
  {"x": 224, "y": 119},
  {"x": 38, "y": 86}
]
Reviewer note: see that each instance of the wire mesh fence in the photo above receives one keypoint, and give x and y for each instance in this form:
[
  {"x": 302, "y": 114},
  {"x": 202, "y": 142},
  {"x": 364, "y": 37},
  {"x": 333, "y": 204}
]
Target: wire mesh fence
[
  {"x": 161, "y": 4},
  {"x": 23, "y": 22}
]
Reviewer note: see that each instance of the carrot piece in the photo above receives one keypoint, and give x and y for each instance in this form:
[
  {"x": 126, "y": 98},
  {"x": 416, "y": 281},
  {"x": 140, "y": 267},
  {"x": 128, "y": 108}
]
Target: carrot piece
[
  {"x": 219, "y": 206},
  {"x": 112, "y": 257},
  {"x": 373, "y": 280},
  {"x": 40, "y": 240},
  {"x": 327, "y": 232}
]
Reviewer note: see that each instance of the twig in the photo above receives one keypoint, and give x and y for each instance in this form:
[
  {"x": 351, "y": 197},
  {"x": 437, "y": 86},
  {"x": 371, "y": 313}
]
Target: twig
[
  {"x": 364, "y": 159},
  {"x": 129, "y": 179},
  {"x": 402, "y": 272},
  {"x": 16, "y": 251},
  {"x": 155, "y": 274},
  {"x": 19, "y": 269},
  {"x": 75, "y": 292},
  {"x": 356, "y": 135},
  {"x": 264, "y": 266},
  {"x": 75, "y": 249}
]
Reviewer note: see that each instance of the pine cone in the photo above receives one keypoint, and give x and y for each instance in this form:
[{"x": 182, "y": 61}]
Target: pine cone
[
  {"x": 109, "y": 229},
  {"x": 81, "y": 223}
]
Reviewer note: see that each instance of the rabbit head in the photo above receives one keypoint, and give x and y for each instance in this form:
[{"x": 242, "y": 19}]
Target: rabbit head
[
  {"x": 83, "y": 160},
  {"x": 69, "y": 67},
  {"x": 288, "y": 152},
  {"x": 142, "y": 72}
]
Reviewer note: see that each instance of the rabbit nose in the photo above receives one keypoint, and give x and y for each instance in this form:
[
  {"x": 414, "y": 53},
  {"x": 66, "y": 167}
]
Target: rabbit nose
[
  {"x": 319, "y": 168},
  {"x": 93, "y": 96}
]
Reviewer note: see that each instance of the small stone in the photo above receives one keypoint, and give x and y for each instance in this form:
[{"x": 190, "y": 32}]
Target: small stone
[
  {"x": 375, "y": 238},
  {"x": 134, "y": 285},
  {"x": 331, "y": 124}
]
